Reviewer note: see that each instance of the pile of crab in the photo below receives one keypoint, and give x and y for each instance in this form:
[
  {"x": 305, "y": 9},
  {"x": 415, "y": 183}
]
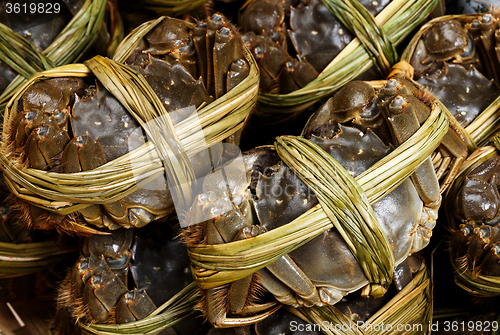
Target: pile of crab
[
  {"x": 121, "y": 278},
  {"x": 458, "y": 59},
  {"x": 315, "y": 225}
]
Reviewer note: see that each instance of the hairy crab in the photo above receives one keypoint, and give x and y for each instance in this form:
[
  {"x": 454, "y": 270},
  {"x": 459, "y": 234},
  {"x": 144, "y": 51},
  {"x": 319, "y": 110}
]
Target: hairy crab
[
  {"x": 68, "y": 125},
  {"x": 354, "y": 311},
  {"x": 274, "y": 195},
  {"x": 123, "y": 278},
  {"x": 316, "y": 36},
  {"x": 475, "y": 244},
  {"x": 457, "y": 59}
]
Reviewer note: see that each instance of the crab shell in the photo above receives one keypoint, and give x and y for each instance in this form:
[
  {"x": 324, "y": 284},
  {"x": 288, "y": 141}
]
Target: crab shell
[
  {"x": 316, "y": 37},
  {"x": 446, "y": 58}
]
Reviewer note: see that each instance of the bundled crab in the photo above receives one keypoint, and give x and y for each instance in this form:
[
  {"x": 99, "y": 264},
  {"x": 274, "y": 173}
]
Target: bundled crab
[
  {"x": 473, "y": 213},
  {"x": 122, "y": 278},
  {"x": 75, "y": 129},
  {"x": 316, "y": 36},
  {"x": 282, "y": 218},
  {"x": 456, "y": 58},
  {"x": 363, "y": 315},
  {"x": 252, "y": 199},
  {"x": 328, "y": 44}
]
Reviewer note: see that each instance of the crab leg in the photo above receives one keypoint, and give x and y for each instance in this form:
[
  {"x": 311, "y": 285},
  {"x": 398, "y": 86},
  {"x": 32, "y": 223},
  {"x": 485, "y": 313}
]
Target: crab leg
[
  {"x": 226, "y": 51},
  {"x": 403, "y": 123}
]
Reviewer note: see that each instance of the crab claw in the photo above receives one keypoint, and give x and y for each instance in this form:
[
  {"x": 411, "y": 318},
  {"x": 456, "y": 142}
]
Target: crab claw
[{"x": 239, "y": 70}]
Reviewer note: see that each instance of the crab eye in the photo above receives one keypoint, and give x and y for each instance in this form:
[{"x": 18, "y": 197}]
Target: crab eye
[
  {"x": 81, "y": 140},
  {"x": 129, "y": 296},
  {"x": 392, "y": 83},
  {"x": 469, "y": 48},
  {"x": 224, "y": 31},
  {"x": 189, "y": 47},
  {"x": 496, "y": 249},
  {"x": 96, "y": 280},
  {"x": 216, "y": 17},
  {"x": 475, "y": 24},
  {"x": 486, "y": 18},
  {"x": 259, "y": 51},
  {"x": 42, "y": 131},
  {"x": 275, "y": 36},
  {"x": 115, "y": 263},
  {"x": 84, "y": 264},
  {"x": 397, "y": 104},
  {"x": 30, "y": 115}
]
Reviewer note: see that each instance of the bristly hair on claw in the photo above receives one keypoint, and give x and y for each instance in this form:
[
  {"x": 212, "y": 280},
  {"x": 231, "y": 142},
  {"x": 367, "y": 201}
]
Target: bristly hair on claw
[{"x": 220, "y": 295}]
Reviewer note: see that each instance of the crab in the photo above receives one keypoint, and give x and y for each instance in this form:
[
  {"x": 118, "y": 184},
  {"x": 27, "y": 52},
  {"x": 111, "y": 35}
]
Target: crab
[
  {"x": 38, "y": 29},
  {"x": 355, "y": 307},
  {"x": 274, "y": 196},
  {"x": 67, "y": 125},
  {"x": 475, "y": 244},
  {"x": 456, "y": 59},
  {"x": 121, "y": 278},
  {"x": 316, "y": 37}
]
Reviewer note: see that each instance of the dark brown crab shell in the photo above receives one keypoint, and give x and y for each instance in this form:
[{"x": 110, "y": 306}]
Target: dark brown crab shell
[
  {"x": 265, "y": 18},
  {"x": 317, "y": 34},
  {"x": 447, "y": 49},
  {"x": 466, "y": 93}
]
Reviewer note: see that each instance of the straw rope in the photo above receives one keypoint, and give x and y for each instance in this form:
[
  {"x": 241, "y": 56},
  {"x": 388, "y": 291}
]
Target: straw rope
[
  {"x": 176, "y": 309},
  {"x": 359, "y": 20},
  {"x": 345, "y": 204},
  {"x": 478, "y": 132},
  {"x": 411, "y": 307},
  {"x": 475, "y": 284}
]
